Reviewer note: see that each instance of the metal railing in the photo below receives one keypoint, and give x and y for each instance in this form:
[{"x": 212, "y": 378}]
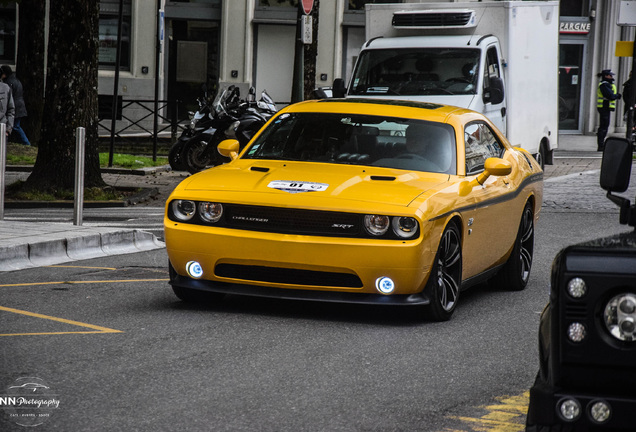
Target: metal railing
[{"x": 137, "y": 122}]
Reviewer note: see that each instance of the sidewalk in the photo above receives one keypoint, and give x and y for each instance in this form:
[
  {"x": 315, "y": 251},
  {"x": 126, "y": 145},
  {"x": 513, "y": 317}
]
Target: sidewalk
[{"x": 28, "y": 244}]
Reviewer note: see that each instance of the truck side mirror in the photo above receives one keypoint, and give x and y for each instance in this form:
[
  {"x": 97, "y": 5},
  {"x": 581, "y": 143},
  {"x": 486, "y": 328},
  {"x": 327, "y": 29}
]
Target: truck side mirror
[
  {"x": 495, "y": 93},
  {"x": 338, "y": 89},
  {"x": 616, "y": 169}
]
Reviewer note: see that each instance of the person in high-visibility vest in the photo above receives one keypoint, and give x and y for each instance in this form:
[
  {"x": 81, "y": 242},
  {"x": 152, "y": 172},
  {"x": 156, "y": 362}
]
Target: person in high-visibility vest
[{"x": 606, "y": 96}]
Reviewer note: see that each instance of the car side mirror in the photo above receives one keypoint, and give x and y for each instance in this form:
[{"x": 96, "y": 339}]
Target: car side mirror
[
  {"x": 495, "y": 93},
  {"x": 616, "y": 167},
  {"x": 493, "y": 167},
  {"x": 339, "y": 89},
  {"x": 616, "y": 170},
  {"x": 229, "y": 148}
]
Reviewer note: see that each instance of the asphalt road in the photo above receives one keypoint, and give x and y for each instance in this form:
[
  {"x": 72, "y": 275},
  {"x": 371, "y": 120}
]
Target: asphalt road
[{"x": 119, "y": 352}]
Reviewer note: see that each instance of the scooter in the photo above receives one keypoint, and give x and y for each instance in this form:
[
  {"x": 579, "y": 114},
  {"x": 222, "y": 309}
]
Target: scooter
[
  {"x": 233, "y": 119},
  {"x": 198, "y": 129}
]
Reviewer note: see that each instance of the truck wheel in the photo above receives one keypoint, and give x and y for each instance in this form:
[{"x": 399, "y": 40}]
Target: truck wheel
[
  {"x": 515, "y": 273},
  {"x": 444, "y": 282},
  {"x": 542, "y": 155}
]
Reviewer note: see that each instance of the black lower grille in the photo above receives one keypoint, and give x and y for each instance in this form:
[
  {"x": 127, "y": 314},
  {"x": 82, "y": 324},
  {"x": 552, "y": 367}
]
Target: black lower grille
[
  {"x": 287, "y": 276},
  {"x": 293, "y": 221}
]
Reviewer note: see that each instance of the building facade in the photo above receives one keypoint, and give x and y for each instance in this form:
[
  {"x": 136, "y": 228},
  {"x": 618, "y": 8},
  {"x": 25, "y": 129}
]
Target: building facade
[{"x": 251, "y": 43}]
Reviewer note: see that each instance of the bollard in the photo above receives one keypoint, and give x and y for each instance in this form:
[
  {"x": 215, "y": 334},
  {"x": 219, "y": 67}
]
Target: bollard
[
  {"x": 78, "y": 204},
  {"x": 3, "y": 161}
]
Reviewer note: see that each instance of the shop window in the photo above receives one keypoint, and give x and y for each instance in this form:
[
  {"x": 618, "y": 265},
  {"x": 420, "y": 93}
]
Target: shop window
[
  {"x": 108, "y": 22},
  {"x": 576, "y": 8},
  {"x": 7, "y": 34}
]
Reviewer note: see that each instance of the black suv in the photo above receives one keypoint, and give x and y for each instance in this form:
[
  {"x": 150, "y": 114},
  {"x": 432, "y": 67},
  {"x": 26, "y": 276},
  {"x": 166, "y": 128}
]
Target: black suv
[{"x": 587, "y": 335}]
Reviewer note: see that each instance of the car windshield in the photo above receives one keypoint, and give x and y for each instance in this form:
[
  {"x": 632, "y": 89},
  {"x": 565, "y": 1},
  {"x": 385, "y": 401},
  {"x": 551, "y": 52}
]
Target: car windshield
[
  {"x": 399, "y": 143},
  {"x": 416, "y": 72}
]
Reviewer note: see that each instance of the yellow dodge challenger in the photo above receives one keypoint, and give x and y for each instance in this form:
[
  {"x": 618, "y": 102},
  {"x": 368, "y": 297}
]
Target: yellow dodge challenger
[{"x": 360, "y": 201}]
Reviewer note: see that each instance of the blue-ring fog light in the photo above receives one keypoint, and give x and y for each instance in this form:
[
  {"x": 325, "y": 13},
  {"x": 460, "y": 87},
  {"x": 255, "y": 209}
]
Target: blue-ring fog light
[
  {"x": 194, "y": 269},
  {"x": 385, "y": 285}
]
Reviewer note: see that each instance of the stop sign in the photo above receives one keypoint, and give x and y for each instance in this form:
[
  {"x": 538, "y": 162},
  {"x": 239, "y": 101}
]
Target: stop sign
[{"x": 307, "y": 6}]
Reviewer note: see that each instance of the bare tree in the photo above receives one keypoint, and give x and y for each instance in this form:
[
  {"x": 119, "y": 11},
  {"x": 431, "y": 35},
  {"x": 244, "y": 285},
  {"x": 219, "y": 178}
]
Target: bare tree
[{"x": 70, "y": 97}]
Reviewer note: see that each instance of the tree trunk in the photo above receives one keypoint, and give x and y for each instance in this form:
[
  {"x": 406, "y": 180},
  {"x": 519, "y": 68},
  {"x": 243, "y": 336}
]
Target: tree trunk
[
  {"x": 70, "y": 97},
  {"x": 30, "y": 64}
]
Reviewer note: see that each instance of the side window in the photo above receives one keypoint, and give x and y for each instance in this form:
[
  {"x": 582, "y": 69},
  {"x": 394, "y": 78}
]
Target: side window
[
  {"x": 481, "y": 143},
  {"x": 492, "y": 66}
]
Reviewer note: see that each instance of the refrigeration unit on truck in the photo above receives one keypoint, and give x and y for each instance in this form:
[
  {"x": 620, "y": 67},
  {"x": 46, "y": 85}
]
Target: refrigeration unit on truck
[{"x": 495, "y": 57}]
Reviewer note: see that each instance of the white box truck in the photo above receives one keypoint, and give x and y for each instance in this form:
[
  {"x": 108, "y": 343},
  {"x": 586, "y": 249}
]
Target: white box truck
[{"x": 499, "y": 58}]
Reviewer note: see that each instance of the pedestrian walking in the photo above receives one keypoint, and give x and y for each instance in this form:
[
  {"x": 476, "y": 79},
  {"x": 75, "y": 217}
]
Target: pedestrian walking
[
  {"x": 9, "y": 78},
  {"x": 606, "y": 96},
  {"x": 7, "y": 107}
]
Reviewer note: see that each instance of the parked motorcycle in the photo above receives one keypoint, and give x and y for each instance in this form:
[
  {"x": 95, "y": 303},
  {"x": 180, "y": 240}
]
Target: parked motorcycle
[
  {"x": 200, "y": 128},
  {"x": 234, "y": 118}
]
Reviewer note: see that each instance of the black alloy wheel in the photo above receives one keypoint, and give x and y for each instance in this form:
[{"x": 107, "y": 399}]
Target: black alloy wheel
[
  {"x": 515, "y": 274},
  {"x": 444, "y": 283}
]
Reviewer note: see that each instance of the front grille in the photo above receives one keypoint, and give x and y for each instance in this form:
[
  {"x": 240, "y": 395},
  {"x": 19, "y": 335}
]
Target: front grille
[
  {"x": 287, "y": 276},
  {"x": 293, "y": 221},
  {"x": 432, "y": 19},
  {"x": 575, "y": 312}
]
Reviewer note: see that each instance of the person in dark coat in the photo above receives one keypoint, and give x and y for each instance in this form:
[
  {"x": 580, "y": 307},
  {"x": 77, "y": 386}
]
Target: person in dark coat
[
  {"x": 606, "y": 97},
  {"x": 8, "y": 77}
]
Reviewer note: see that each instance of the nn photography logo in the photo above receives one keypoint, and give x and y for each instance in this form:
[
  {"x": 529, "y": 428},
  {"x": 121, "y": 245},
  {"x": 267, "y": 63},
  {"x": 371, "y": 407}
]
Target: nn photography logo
[{"x": 29, "y": 401}]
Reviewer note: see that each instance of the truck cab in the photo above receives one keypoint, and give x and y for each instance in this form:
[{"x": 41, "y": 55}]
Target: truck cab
[
  {"x": 463, "y": 71},
  {"x": 499, "y": 58},
  {"x": 587, "y": 336}
]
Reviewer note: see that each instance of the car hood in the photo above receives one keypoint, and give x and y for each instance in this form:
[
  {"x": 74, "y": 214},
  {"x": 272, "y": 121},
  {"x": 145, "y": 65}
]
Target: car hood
[{"x": 316, "y": 180}]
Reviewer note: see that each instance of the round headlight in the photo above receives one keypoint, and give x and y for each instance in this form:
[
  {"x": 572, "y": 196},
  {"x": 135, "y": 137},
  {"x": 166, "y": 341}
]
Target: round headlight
[
  {"x": 210, "y": 212},
  {"x": 183, "y": 210},
  {"x": 569, "y": 409},
  {"x": 620, "y": 317},
  {"x": 600, "y": 411},
  {"x": 577, "y": 287},
  {"x": 576, "y": 332},
  {"x": 376, "y": 225},
  {"x": 404, "y": 227}
]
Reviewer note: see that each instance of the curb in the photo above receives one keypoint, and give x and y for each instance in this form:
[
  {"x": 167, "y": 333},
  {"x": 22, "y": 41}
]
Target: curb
[{"x": 79, "y": 247}]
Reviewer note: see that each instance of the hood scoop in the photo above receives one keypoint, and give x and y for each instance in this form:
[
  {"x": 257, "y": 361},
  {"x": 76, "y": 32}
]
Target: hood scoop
[
  {"x": 383, "y": 178},
  {"x": 259, "y": 169}
]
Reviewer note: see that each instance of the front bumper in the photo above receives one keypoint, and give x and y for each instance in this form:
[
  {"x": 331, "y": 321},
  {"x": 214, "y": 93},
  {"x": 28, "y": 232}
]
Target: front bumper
[
  {"x": 543, "y": 409},
  {"x": 295, "y": 294},
  {"x": 271, "y": 262}
]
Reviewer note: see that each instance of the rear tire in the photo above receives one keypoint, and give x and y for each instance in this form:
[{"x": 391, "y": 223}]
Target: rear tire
[
  {"x": 515, "y": 273},
  {"x": 444, "y": 282}
]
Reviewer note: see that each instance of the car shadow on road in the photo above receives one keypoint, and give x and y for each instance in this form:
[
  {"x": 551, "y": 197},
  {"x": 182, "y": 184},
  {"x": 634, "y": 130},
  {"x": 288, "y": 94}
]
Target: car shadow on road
[{"x": 397, "y": 316}]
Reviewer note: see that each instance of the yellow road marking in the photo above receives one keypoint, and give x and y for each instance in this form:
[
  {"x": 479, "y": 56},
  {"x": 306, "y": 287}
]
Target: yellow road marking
[
  {"x": 507, "y": 416},
  {"x": 83, "y": 282},
  {"x": 98, "y": 329}
]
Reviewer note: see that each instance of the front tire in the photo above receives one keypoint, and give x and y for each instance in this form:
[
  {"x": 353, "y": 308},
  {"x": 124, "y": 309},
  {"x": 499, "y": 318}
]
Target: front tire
[
  {"x": 444, "y": 282},
  {"x": 516, "y": 272}
]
